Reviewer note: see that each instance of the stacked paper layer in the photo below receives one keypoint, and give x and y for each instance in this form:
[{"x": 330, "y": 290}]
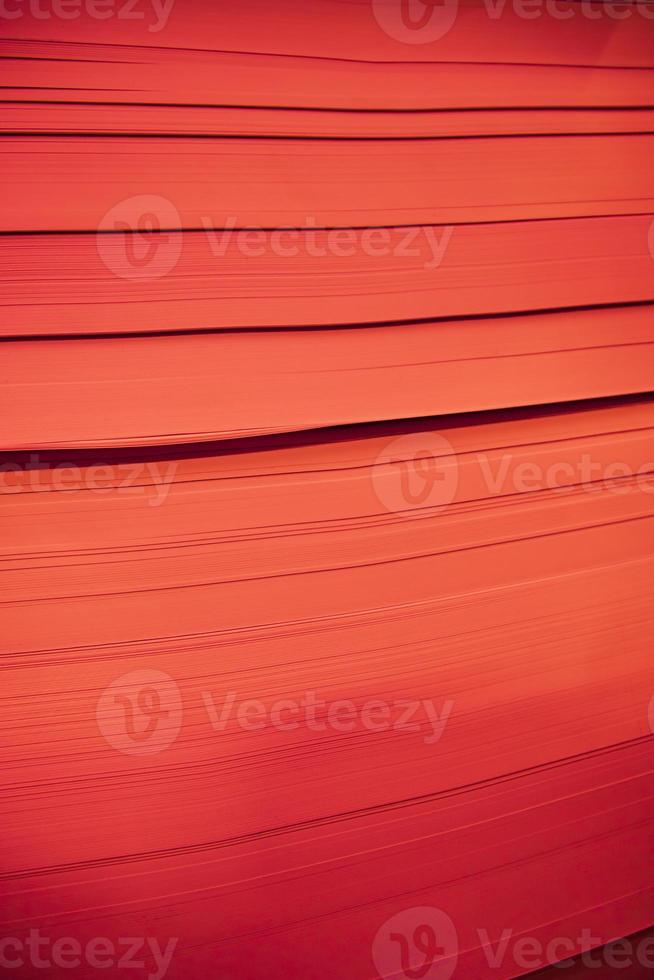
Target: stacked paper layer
[{"x": 327, "y": 489}]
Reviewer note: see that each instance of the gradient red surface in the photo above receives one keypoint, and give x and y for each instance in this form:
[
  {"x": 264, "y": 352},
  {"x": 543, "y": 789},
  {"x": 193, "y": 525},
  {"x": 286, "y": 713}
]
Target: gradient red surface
[{"x": 327, "y": 489}]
